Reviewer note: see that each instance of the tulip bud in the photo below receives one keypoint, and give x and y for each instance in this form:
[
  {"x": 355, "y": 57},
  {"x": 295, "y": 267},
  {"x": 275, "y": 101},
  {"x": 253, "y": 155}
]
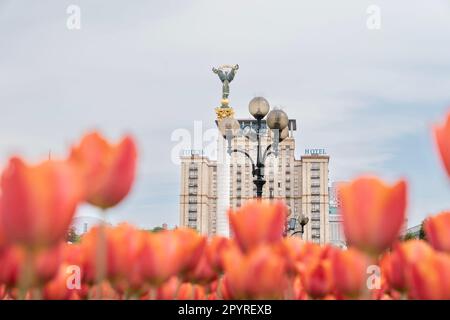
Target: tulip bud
[
  {"x": 442, "y": 137},
  {"x": 108, "y": 170},
  {"x": 38, "y": 202},
  {"x": 437, "y": 229},
  {"x": 258, "y": 223},
  {"x": 373, "y": 213}
]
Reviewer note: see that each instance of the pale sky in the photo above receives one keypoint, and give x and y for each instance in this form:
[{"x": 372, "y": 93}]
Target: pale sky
[{"x": 369, "y": 97}]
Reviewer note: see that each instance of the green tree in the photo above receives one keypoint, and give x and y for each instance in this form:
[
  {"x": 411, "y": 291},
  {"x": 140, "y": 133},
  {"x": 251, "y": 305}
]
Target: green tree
[
  {"x": 408, "y": 236},
  {"x": 422, "y": 234},
  {"x": 72, "y": 236}
]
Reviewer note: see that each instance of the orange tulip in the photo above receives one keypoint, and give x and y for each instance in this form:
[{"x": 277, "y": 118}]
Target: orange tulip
[
  {"x": 103, "y": 291},
  {"x": 299, "y": 292},
  {"x": 214, "y": 252},
  {"x": 437, "y": 230},
  {"x": 121, "y": 246},
  {"x": 430, "y": 278},
  {"x": 202, "y": 273},
  {"x": 258, "y": 222},
  {"x": 317, "y": 278},
  {"x": 108, "y": 170},
  {"x": 3, "y": 292},
  {"x": 261, "y": 274},
  {"x": 393, "y": 270},
  {"x": 38, "y": 202},
  {"x": 13, "y": 263},
  {"x": 373, "y": 213},
  {"x": 10, "y": 262},
  {"x": 168, "y": 253},
  {"x": 58, "y": 288},
  {"x": 189, "y": 291},
  {"x": 396, "y": 265},
  {"x": 2, "y": 233},
  {"x": 291, "y": 250},
  {"x": 191, "y": 245},
  {"x": 350, "y": 272},
  {"x": 168, "y": 290},
  {"x": 442, "y": 137}
]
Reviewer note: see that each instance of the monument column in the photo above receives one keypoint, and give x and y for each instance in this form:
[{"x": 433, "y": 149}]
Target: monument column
[{"x": 226, "y": 74}]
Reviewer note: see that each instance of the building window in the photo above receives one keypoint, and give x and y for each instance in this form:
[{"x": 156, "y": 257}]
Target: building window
[
  {"x": 315, "y": 166},
  {"x": 315, "y": 175}
]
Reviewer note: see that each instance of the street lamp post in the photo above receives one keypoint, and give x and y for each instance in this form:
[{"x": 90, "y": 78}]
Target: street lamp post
[
  {"x": 292, "y": 224},
  {"x": 277, "y": 120}
]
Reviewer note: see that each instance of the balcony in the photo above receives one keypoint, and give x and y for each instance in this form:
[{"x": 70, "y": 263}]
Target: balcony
[{"x": 315, "y": 217}]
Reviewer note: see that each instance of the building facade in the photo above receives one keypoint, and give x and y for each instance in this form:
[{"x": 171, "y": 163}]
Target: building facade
[
  {"x": 337, "y": 237},
  {"x": 301, "y": 183}
]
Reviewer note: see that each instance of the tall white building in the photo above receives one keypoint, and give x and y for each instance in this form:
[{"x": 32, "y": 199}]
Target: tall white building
[
  {"x": 301, "y": 183},
  {"x": 337, "y": 236}
]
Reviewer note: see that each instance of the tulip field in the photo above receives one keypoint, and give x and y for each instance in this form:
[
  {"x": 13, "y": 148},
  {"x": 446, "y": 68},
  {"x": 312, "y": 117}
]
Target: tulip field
[{"x": 38, "y": 203}]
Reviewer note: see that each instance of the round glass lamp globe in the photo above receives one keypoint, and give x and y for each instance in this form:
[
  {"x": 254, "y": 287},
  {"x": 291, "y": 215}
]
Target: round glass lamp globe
[
  {"x": 277, "y": 119},
  {"x": 258, "y": 107}
]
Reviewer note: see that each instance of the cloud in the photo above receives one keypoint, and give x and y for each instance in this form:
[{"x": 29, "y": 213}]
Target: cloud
[{"x": 145, "y": 68}]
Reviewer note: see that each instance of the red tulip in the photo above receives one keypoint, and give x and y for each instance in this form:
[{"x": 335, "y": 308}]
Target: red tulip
[
  {"x": 261, "y": 274},
  {"x": 258, "y": 222},
  {"x": 442, "y": 136},
  {"x": 38, "y": 202},
  {"x": 350, "y": 272},
  {"x": 429, "y": 278},
  {"x": 373, "y": 213},
  {"x": 437, "y": 229},
  {"x": 108, "y": 170}
]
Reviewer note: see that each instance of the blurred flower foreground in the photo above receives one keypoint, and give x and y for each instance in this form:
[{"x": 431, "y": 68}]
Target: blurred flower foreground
[{"x": 38, "y": 202}]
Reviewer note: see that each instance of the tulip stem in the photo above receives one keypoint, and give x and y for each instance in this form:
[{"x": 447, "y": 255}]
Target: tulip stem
[
  {"x": 101, "y": 255},
  {"x": 177, "y": 289},
  {"x": 27, "y": 274}
]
